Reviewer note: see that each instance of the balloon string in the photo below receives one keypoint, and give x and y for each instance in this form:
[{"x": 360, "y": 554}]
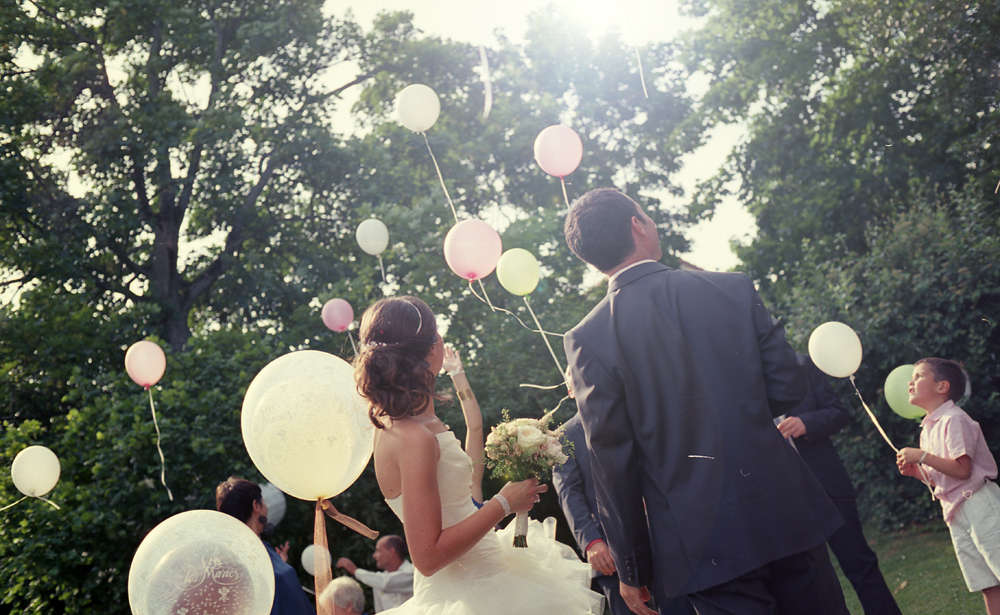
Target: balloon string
[
  {"x": 562, "y": 180},
  {"x": 440, "y": 177},
  {"x": 53, "y": 504},
  {"x": 15, "y": 504},
  {"x": 332, "y": 512},
  {"x": 635, "y": 46},
  {"x": 382, "y": 267},
  {"x": 544, "y": 337},
  {"x": 872, "y": 415},
  {"x": 548, "y": 415},
  {"x": 353, "y": 345},
  {"x": 487, "y": 82},
  {"x": 324, "y": 571},
  {"x": 485, "y": 298},
  {"x": 163, "y": 462}
]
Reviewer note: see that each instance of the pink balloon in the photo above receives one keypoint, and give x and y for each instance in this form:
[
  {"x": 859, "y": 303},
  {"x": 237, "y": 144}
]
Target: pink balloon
[
  {"x": 472, "y": 249},
  {"x": 145, "y": 363},
  {"x": 558, "y": 150},
  {"x": 337, "y": 315}
]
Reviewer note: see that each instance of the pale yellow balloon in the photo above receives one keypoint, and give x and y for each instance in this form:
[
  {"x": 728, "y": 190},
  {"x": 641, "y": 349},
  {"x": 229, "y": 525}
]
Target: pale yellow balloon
[
  {"x": 517, "y": 271},
  {"x": 35, "y": 471},
  {"x": 835, "y": 348}
]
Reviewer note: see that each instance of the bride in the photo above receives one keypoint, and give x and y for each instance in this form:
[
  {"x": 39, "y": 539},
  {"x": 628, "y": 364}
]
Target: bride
[{"x": 462, "y": 567}]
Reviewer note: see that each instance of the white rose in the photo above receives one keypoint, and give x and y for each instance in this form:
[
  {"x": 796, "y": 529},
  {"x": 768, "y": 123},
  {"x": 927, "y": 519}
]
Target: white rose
[
  {"x": 554, "y": 449},
  {"x": 529, "y": 438}
]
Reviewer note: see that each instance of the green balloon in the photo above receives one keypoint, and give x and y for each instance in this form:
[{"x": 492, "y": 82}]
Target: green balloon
[
  {"x": 897, "y": 393},
  {"x": 517, "y": 271}
]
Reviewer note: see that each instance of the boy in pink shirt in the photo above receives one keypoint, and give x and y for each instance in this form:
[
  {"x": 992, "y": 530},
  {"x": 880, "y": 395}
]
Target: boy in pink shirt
[{"x": 954, "y": 460}]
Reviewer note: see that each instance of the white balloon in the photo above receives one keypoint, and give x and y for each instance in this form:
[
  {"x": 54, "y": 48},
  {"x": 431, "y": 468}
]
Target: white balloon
[
  {"x": 418, "y": 107},
  {"x": 835, "y": 348},
  {"x": 201, "y": 562},
  {"x": 305, "y": 425},
  {"x": 274, "y": 498},
  {"x": 373, "y": 236},
  {"x": 35, "y": 471},
  {"x": 309, "y": 558}
]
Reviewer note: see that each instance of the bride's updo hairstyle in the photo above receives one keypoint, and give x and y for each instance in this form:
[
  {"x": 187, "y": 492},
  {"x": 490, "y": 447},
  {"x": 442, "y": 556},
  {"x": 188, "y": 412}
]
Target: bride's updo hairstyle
[{"x": 391, "y": 369}]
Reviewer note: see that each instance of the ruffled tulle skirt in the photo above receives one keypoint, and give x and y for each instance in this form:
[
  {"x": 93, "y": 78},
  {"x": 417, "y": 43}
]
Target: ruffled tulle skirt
[{"x": 494, "y": 577}]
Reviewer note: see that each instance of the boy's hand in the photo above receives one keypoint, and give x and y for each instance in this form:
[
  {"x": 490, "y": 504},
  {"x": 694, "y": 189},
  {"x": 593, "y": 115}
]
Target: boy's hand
[
  {"x": 910, "y": 469},
  {"x": 908, "y": 456}
]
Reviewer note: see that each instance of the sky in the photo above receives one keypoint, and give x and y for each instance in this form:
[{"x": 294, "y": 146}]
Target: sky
[{"x": 639, "y": 22}]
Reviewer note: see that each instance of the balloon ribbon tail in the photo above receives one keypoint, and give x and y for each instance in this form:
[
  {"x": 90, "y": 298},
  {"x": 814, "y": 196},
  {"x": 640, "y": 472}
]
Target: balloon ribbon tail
[
  {"x": 163, "y": 462},
  {"x": 562, "y": 180},
  {"x": 15, "y": 504},
  {"x": 487, "y": 82},
  {"x": 483, "y": 288},
  {"x": 440, "y": 177},
  {"x": 332, "y": 512},
  {"x": 382, "y": 267},
  {"x": 323, "y": 569},
  {"x": 872, "y": 416},
  {"x": 353, "y": 345},
  {"x": 544, "y": 337}
]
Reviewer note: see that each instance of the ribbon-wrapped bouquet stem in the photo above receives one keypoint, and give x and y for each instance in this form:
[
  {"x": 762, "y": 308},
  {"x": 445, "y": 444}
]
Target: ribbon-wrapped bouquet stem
[{"x": 518, "y": 449}]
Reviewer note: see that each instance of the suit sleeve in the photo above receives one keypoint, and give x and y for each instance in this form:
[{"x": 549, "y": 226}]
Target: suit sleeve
[
  {"x": 615, "y": 458},
  {"x": 786, "y": 380},
  {"x": 830, "y": 415},
  {"x": 397, "y": 582},
  {"x": 569, "y": 483}
]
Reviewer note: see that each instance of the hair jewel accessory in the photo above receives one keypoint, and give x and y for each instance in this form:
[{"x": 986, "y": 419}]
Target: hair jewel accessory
[
  {"x": 420, "y": 322},
  {"x": 374, "y": 344}
]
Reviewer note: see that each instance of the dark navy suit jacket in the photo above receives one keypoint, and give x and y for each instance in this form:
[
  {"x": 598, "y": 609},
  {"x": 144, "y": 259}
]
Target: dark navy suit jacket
[
  {"x": 678, "y": 376},
  {"x": 575, "y": 489}
]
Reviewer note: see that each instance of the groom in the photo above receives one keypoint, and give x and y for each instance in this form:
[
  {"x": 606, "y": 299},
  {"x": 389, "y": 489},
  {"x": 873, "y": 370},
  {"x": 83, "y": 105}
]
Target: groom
[{"x": 678, "y": 376}]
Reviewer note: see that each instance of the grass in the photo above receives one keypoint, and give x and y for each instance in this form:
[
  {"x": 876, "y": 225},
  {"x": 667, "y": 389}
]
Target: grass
[{"x": 920, "y": 567}]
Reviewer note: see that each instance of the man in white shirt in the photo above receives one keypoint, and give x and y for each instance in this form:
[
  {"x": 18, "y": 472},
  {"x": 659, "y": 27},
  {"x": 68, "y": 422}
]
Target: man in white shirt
[{"x": 394, "y": 584}]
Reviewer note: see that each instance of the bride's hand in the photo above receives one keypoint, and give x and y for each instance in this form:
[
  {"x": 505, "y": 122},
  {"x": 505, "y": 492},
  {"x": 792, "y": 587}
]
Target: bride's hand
[
  {"x": 452, "y": 362},
  {"x": 522, "y": 495}
]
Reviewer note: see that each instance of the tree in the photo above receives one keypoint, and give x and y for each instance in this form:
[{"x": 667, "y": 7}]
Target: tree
[
  {"x": 199, "y": 133},
  {"x": 926, "y": 284},
  {"x": 849, "y": 105}
]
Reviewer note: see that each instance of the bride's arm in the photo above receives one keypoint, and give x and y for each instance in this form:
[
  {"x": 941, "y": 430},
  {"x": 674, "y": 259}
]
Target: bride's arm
[{"x": 431, "y": 547}]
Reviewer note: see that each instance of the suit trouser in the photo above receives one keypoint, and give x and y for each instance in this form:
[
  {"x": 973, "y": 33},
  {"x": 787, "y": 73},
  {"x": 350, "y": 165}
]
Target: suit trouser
[
  {"x": 800, "y": 584},
  {"x": 859, "y": 562}
]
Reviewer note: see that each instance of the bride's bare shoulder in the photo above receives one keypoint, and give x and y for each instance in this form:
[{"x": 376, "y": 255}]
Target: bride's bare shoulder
[{"x": 403, "y": 435}]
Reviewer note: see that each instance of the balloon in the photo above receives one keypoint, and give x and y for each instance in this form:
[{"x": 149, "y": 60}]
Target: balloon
[
  {"x": 274, "y": 498},
  {"x": 472, "y": 249},
  {"x": 145, "y": 363},
  {"x": 373, "y": 236},
  {"x": 35, "y": 471},
  {"x": 305, "y": 425},
  {"x": 517, "y": 271},
  {"x": 897, "y": 393},
  {"x": 558, "y": 150},
  {"x": 835, "y": 348},
  {"x": 309, "y": 558},
  {"x": 337, "y": 315},
  {"x": 418, "y": 107},
  {"x": 201, "y": 562}
]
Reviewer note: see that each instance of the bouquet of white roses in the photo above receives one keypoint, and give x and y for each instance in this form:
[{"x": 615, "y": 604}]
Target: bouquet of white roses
[{"x": 517, "y": 449}]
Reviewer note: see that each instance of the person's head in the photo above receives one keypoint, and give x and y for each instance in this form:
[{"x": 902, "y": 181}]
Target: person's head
[
  {"x": 390, "y": 551},
  {"x": 399, "y": 358},
  {"x": 241, "y": 498},
  {"x": 936, "y": 380},
  {"x": 343, "y": 596},
  {"x": 606, "y": 228}
]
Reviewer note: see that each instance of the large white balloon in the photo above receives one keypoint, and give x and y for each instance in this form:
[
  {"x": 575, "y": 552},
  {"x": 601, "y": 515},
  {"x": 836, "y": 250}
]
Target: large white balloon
[
  {"x": 309, "y": 558},
  {"x": 305, "y": 425},
  {"x": 373, "y": 236},
  {"x": 35, "y": 471},
  {"x": 274, "y": 498},
  {"x": 418, "y": 107},
  {"x": 201, "y": 562},
  {"x": 835, "y": 348}
]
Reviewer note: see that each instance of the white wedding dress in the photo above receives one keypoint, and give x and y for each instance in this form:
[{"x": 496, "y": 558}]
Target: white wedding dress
[{"x": 494, "y": 577}]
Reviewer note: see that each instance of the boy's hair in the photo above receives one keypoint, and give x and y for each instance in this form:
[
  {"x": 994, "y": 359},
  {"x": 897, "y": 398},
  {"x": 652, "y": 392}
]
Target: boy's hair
[
  {"x": 950, "y": 371},
  {"x": 598, "y": 228}
]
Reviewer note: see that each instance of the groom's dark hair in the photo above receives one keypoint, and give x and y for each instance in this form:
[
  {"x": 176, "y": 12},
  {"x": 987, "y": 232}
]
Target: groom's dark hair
[{"x": 598, "y": 228}]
